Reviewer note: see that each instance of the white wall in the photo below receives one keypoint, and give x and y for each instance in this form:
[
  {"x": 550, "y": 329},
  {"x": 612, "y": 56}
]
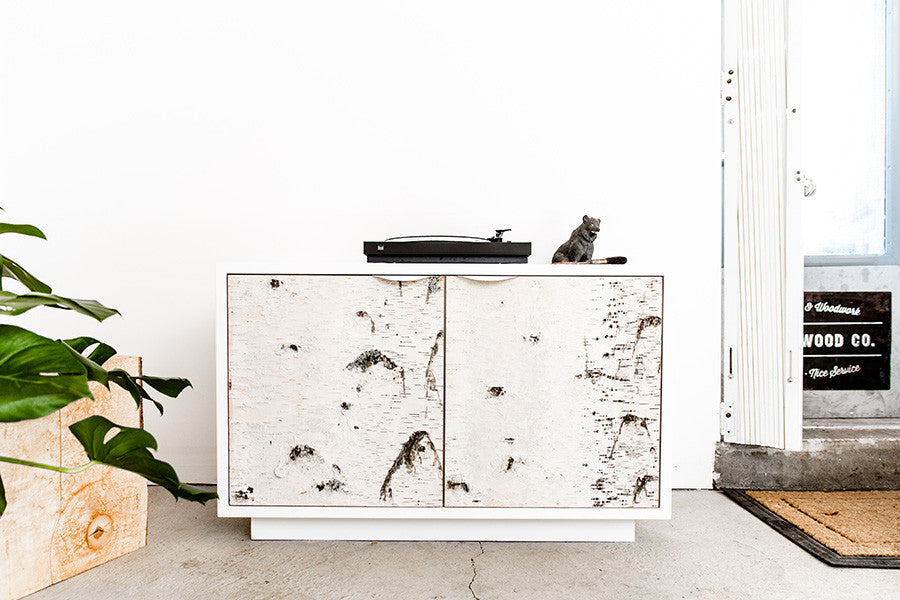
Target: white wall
[{"x": 152, "y": 140}]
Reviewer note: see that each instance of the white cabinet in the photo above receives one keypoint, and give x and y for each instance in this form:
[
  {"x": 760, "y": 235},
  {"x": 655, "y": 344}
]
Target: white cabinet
[{"x": 440, "y": 397}]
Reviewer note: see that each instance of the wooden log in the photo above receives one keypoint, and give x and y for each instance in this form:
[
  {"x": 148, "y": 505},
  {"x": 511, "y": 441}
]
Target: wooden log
[{"x": 58, "y": 525}]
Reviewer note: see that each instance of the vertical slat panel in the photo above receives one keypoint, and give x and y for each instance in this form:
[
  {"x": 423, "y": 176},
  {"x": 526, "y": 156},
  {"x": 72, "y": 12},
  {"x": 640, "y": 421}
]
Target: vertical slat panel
[{"x": 757, "y": 266}]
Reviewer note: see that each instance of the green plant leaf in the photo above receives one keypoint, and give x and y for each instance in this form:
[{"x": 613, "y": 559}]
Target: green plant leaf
[
  {"x": 100, "y": 354},
  {"x": 129, "y": 449},
  {"x": 94, "y": 371},
  {"x": 13, "y": 270},
  {"x": 170, "y": 386},
  {"x": 129, "y": 383},
  {"x": 37, "y": 375},
  {"x": 58, "y": 372},
  {"x": 22, "y": 230},
  {"x": 2, "y": 497},
  {"x": 16, "y": 304}
]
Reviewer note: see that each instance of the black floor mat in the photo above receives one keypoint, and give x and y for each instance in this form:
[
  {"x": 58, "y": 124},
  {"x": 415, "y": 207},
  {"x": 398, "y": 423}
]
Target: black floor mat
[{"x": 806, "y": 541}]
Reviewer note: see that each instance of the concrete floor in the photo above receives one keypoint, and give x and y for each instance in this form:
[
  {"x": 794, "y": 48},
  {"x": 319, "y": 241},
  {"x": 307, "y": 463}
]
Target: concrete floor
[{"x": 710, "y": 549}]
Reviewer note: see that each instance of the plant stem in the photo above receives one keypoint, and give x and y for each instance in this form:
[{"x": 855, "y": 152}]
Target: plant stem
[{"x": 37, "y": 465}]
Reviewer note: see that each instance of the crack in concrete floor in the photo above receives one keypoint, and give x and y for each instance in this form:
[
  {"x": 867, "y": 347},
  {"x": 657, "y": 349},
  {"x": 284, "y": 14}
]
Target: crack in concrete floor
[{"x": 475, "y": 570}]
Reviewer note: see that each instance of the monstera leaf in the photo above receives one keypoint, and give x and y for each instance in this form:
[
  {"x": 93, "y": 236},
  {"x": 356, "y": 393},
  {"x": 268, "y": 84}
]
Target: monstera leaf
[
  {"x": 169, "y": 386},
  {"x": 22, "y": 230},
  {"x": 129, "y": 449},
  {"x": 10, "y": 269},
  {"x": 101, "y": 352},
  {"x": 37, "y": 375},
  {"x": 16, "y": 304},
  {"x": 92, "y": 361}
]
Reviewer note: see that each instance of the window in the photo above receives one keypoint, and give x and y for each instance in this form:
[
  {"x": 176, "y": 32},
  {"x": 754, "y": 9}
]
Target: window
[{"x": 849, "y": 129}]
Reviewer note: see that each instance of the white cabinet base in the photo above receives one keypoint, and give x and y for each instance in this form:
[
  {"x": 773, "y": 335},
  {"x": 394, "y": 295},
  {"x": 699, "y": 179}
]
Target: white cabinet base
[{"x": 505, "y": 530}]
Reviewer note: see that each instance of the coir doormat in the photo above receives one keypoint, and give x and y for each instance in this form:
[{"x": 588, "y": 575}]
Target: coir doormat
[{"x": 845, "y": 529}]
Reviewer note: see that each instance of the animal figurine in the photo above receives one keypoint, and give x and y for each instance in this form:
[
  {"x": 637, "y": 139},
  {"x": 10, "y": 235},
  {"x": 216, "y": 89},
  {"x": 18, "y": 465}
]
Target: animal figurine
[{"x": 580, "y": 247}]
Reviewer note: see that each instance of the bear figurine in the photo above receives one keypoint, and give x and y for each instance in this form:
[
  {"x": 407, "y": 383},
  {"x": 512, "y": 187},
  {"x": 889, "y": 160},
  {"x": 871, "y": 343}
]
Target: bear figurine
[{"x": 580, "y": 247}]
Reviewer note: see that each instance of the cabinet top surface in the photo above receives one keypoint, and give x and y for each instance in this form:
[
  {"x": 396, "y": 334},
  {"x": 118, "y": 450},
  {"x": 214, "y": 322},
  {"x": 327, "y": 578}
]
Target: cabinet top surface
[{"x": 425, "y": 269}]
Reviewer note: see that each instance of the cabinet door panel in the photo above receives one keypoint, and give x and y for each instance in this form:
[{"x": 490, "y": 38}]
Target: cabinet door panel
[
  {"x": 553, "y": 392},
  {"x": 335, "y": 390}
]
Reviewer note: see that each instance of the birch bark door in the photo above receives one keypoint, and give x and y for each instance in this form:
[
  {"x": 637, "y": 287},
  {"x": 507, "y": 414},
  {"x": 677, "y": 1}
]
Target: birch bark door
[
  {"x": 335, "y": 390},
  {"x": 553, "y": 392}
]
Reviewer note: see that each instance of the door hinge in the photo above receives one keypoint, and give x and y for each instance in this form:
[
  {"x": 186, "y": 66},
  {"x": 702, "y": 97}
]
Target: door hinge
[
  {"x": 726, "y": 414},
  {"x": 726, "y": 421}
]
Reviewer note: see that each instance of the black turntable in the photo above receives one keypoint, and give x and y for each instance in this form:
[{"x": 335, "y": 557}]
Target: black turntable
[{"x": 447, "y": 249}]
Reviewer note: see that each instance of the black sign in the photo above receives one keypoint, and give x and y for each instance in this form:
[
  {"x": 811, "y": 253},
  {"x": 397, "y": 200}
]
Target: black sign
[{"x": 847, "y": 341}]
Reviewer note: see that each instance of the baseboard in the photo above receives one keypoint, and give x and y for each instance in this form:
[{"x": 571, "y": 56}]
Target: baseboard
[{"x": 506, "y": 530}]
